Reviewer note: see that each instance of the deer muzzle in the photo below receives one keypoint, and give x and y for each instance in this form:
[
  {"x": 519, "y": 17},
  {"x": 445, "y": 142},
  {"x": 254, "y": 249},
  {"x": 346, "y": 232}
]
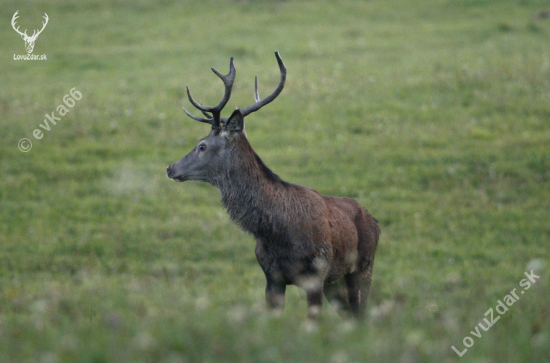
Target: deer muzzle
[{"x": 172, "y": 173}]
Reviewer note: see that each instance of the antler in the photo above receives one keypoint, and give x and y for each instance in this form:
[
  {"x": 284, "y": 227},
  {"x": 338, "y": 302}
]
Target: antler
[
  {"x": 35, "y": 34},
  {"x": 261, "y": 103},
  {"x": 215, "y": 111},
  {"x": 15, "y": 16}
]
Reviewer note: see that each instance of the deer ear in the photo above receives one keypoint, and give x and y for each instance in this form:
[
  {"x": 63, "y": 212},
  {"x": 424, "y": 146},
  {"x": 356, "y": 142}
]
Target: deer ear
[{"x": 234, "y": 125}]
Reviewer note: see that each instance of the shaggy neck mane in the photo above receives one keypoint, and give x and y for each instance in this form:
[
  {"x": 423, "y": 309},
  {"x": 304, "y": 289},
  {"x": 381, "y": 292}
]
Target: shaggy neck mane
[{"x": 251, "y": 192}]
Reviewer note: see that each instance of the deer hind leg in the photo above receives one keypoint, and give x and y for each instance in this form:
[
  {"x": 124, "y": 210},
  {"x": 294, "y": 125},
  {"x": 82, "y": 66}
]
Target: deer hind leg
[
  {"x": 364, "y": 279},
  {"x": 354, "y": 289}
]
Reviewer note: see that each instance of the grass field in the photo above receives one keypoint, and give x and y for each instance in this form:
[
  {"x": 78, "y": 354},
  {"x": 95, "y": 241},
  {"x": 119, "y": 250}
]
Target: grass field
[{"x": 435, "y": 115}]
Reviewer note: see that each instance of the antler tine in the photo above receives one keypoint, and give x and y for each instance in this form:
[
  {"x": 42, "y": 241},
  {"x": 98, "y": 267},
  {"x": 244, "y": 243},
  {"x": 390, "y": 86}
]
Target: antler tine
[
  {"x": 208, "y": 116},
  {"x": 256, "y": 94},
  {"x": 44, "y": 23},
  {"x": 215, "y": 110},
  {"x": 206, "y": 120},
  {"x": 13, "y": 19},
  {"x": 260, "y": 103},
  {"x": 195, "y": 103}
]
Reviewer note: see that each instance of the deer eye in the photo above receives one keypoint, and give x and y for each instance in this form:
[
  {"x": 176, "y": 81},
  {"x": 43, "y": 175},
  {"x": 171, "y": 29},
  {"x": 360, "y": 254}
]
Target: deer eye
[{"x": 202, "y": 147}]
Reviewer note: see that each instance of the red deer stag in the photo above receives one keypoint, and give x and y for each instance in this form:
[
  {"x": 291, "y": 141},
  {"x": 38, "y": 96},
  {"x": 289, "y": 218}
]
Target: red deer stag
[{"x": 322, "y": 244}]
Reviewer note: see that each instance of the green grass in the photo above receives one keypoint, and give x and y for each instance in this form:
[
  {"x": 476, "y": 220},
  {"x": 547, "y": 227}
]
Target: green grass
[{"x": 435, "y": 115}]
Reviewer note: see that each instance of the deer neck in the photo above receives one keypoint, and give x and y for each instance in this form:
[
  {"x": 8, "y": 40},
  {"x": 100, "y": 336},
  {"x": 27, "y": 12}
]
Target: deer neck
[{"x": 250, "y": 191}]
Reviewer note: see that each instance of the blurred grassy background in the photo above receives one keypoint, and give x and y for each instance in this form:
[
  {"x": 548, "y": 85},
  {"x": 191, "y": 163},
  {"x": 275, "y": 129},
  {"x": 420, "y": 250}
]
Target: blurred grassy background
[{"x": 434, "y": 115}]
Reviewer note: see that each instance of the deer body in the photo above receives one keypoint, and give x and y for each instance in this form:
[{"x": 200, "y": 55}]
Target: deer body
[{"x": 323, "y": 244}]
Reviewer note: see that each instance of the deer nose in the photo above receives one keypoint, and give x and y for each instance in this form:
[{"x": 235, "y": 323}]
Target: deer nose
[{"x": 168, "y": 170}]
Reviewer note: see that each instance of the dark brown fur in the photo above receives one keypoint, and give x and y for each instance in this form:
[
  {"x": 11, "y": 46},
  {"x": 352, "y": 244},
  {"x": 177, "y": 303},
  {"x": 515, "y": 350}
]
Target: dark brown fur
[{"x": 303, "y": 238}]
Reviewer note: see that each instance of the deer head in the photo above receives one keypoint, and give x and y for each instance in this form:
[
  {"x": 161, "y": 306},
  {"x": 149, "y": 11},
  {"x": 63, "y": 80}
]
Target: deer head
[
  {"x": 29, "y": 41},
  {"x": 210, "y": 158}
]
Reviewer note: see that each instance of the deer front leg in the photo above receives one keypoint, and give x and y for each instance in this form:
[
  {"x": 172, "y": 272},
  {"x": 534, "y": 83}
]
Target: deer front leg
[
  {"x": 314, "y": 302},
  {"x": 275, "y": 294},
  {"x": 313, "y": 285}
]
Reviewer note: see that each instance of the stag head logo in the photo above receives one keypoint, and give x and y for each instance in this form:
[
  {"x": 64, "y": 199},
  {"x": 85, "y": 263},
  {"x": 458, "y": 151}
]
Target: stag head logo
[{"x": 29, "y": 41}]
